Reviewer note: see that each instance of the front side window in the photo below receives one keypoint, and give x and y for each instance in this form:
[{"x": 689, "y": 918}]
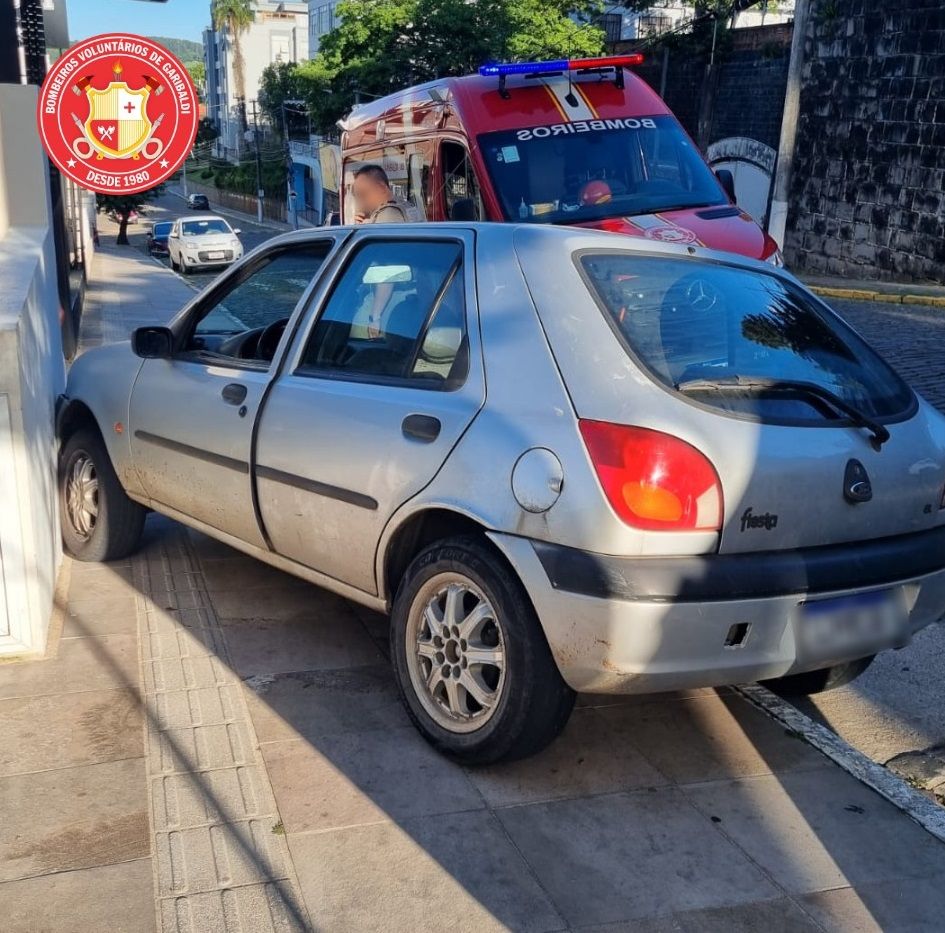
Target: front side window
[
  {"x": 397, "y": 314},
  {"x": 460, "y": 188},
  {"x": 741, "y": 341},
  {"x": 244, "y": 319},
  {"x": 593, "y": 169}
]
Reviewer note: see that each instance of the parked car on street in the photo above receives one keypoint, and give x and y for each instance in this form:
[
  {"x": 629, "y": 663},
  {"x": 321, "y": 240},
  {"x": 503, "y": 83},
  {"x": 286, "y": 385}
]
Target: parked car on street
[
  {"x": 687, "y": 470},
  {"x": 200, "y": 242},
  {"x": 198, "y": 202},
  {"x": 157, "y": 237}
]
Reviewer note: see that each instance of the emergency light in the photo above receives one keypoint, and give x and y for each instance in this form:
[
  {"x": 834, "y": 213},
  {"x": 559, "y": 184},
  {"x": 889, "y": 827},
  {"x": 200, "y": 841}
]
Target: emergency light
[{"x": 494, "y": 69}]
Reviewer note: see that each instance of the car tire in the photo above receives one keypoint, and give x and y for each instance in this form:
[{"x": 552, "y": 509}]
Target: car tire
[
  {"x": 827, "y": 678},
  {"x": 173, "y": 264},
  {"x": 500, "y": 657},
  {"x": 99, "y": 521}
]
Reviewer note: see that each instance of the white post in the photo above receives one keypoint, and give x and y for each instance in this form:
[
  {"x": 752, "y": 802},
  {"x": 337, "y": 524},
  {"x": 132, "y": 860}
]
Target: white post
[{"x": 777, "y": 217}]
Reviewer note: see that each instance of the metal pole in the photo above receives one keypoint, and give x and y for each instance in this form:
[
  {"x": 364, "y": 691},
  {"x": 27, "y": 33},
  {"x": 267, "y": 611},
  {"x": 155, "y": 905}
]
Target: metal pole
[
  {"x": 259, "y": 187},
  {"x": 777, "y": 218}
]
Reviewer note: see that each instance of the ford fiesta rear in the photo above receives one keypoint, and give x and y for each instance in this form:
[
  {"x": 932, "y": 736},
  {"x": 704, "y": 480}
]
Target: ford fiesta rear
[{"x": 769, "y": 492}]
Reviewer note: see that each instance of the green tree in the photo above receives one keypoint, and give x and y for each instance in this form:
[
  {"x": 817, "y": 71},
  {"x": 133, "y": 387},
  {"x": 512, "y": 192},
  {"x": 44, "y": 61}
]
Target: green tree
[
  {"x": 382, "y": 45},
  {"x": 198, "y": 74},
  {"x": 122, "y": 205},
  {"x": 234, "y": 17},
  {"x": 280, "y": 82}
]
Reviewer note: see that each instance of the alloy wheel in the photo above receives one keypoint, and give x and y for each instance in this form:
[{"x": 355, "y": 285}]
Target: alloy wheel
[
  {"x": 456, "y": 652},
  {"x": 82, "y": 495}
]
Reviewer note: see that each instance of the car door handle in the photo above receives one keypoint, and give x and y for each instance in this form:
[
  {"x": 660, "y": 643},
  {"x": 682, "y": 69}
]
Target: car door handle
[
  {"x": 421, "y": 427},
  {"x": 233, "y": 393}
]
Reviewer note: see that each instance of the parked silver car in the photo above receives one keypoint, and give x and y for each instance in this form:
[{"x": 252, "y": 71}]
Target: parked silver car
[{"x": 561, "y": 460}]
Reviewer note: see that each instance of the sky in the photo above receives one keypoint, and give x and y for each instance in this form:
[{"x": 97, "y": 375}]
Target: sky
[{"x": 178, "y": 19}]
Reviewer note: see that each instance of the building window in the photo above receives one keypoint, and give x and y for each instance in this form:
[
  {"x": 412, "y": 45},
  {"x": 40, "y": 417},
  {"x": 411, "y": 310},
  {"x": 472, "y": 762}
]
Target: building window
[{"x": 611, "y": 23}]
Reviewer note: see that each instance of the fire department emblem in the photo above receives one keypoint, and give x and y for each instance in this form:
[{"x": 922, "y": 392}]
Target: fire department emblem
[
  {"x": 669, "y": 234},
  {"x": 118, "y": 114}
]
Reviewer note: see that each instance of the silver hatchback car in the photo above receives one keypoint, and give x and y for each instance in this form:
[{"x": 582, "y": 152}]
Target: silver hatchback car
[{"x": 561, "y": 460}]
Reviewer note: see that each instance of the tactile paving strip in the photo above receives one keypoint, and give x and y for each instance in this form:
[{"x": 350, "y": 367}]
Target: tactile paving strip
[{"x": 221, "y": 861}]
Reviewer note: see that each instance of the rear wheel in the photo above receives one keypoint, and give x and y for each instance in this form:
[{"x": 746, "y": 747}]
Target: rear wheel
[
  {"x": 99, "y": 522},
  {"x": 472, "y": 663},
  {"x": 827, "y": 678}
]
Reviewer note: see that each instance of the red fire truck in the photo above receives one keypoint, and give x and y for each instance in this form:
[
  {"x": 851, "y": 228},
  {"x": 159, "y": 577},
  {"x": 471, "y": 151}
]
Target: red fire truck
[{"x": 581, "y": 142}]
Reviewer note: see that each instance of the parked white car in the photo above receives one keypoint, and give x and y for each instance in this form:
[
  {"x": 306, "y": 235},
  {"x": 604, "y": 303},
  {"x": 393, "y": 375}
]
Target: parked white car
[{"x": 202, "y": 241}]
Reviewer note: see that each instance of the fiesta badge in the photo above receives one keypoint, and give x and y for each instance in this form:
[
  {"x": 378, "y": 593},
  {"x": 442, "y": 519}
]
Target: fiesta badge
[{"x": 118, "y": 114}]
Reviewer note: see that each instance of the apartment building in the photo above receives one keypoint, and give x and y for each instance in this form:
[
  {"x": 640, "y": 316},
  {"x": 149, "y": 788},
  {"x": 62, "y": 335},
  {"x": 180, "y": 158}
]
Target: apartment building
[{"x": 279, "y": 33}]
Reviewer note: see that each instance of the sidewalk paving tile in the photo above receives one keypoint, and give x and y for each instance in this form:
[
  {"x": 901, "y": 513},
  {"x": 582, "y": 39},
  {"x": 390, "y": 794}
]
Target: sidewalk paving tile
[
  {"x": 200, "y": 748},
  {"x": 80, "y": 664},
  {"x": 112, "y": 615},
  {"x": 355, "y": 778},
  {"x": 110, "y": 899},
  {"x": 253, "y": 908},
  {"x": 777, "y": 916},
  {"x": 627, "y": 856},
  {"x": 65, "y": 730},
  {"x": 901, "y": 906},
  {"x": 60, "y": 820},
  {"x": 273, "y": 646},
  {"x": 816, "y": 830},
  {"x": 313, "y": 704},
  {"x": 591, "y": 756},
  {"x": 710, "y": 737},
  {"x": 456, "y": 871}
]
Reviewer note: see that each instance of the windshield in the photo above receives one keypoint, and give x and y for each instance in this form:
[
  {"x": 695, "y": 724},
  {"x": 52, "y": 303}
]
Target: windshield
[
  {"x": 695, "y": 323},
  {"x": 161, "y": 229},
  {"x": 200, "y": 227},
  {"x": 593, "y": 169}
]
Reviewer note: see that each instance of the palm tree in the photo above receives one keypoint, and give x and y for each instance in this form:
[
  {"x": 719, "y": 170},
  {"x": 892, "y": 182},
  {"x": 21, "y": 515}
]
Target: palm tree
[{"x": 234, "y": 17}]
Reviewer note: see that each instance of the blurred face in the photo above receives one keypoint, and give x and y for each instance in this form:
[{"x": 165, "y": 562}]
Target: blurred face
[{"x": 369, "y": 194}]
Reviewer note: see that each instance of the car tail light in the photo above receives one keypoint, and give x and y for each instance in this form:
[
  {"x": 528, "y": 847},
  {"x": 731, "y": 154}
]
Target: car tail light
[{"x": 653, "y": 480}]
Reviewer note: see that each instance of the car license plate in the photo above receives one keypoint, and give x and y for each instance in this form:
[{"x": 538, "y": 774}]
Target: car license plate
[
  {"x": 215, "y": 255},
  {"x": 856, "y": 625}
]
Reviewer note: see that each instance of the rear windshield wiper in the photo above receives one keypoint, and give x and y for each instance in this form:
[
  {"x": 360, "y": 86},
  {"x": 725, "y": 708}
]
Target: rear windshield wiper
[{"x": 761, "y": 383}]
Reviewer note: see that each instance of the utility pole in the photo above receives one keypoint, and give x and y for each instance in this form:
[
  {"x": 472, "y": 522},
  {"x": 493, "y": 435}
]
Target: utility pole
[
  {"x": 777, "y": 216},
  {"x": 259, "y": 187}
]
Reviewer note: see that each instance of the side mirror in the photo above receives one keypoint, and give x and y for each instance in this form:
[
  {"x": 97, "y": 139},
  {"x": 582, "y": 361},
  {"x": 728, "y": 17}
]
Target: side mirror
[
  {"x": 237, "y": 231},
  {"x": 152, "y": 343},
  {"x": 727, "y": 181},
  {"x": 172, "y": 235}
]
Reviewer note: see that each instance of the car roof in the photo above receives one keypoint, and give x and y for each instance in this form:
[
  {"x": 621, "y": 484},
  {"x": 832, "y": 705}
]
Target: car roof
[{"x": 535, "y": 237}]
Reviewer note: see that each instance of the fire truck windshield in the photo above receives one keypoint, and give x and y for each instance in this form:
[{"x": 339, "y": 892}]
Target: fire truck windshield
[{"x": 589, "y": 170}]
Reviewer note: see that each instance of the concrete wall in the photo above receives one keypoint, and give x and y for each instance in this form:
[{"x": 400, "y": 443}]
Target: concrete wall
[
  {"x": 867, "y": 189},
  {"x": 31, "y": 376}
]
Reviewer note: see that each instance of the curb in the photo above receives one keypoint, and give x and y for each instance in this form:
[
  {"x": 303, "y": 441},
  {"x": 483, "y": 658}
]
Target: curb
[
  {"x": 928, "y": 814},
  {"x": 859, "y": 294}
]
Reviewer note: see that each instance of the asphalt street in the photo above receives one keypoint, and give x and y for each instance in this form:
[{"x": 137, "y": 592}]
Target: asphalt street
[{"x": 894, "y": 708}]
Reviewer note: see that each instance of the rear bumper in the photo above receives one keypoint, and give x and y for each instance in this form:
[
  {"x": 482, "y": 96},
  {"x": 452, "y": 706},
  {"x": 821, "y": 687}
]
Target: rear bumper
[{"x": 641, "y": 625}]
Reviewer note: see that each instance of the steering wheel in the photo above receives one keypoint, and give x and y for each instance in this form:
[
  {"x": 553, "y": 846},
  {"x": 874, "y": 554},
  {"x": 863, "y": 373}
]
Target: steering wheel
[{"x": 269, "y": 340}]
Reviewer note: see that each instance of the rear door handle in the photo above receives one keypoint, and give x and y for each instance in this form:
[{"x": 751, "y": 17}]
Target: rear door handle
[
  {"x": 234, "y": 393},
  {"x": 421, "y": 427}
]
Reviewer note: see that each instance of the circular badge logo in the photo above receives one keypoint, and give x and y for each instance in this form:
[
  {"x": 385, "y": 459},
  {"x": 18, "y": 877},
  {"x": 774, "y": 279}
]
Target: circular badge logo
[
  {"x": 118, "y": 114},
  {"x": 670, "y": 234}
]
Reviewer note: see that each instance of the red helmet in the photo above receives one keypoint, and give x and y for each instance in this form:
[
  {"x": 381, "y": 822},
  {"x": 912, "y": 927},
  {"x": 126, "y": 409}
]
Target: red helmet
[{"x": 596, "y": 192}]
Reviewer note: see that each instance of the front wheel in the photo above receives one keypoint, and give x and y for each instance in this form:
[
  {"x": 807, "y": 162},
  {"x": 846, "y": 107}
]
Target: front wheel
[
  {"x": 473, "y": 666},
  {"x": 827, "y": 678},
  {"x": 99, "y": 521}
]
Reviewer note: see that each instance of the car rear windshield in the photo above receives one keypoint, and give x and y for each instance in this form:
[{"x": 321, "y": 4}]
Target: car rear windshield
[
  {"x": 593, "y": 169},
  {"x": 699, "y": 327}
]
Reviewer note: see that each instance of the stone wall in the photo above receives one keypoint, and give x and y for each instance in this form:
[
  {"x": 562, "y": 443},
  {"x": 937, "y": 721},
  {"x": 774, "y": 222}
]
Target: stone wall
[
  {"x": 867, "y": 188},
  {"x": 747, "y": 84}
]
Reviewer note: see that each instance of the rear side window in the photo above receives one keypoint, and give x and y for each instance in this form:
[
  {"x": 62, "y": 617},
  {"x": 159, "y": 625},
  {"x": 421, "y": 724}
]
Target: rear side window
[
  {"x": 396, "y": 315},
  {"x": 691, "y": 324}
]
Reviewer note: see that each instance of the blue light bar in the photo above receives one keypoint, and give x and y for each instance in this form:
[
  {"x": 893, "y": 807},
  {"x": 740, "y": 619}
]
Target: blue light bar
[{"x": 493, "y": 69}]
